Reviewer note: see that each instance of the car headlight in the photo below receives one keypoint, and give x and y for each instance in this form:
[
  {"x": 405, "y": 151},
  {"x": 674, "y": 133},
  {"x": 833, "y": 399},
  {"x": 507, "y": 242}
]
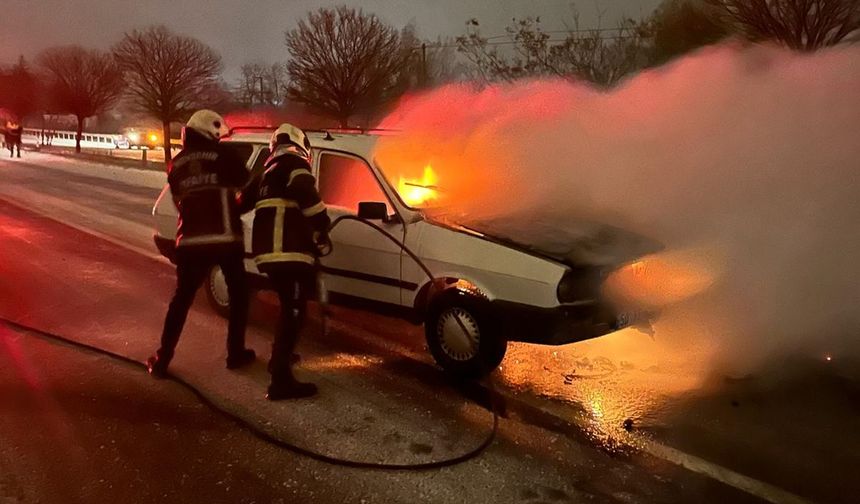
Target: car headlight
[{"x": 579, "y": 284}]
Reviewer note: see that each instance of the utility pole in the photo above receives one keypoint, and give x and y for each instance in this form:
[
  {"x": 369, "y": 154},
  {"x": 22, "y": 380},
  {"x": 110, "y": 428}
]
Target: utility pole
[
  {"x": 262, "y": 99},
  {"x": 423, "y": 64}
]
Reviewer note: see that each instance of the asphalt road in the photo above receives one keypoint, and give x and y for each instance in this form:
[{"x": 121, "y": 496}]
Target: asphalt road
[
  {"x": 79, "y": 428},
  {"x": 784, "y": 433}
]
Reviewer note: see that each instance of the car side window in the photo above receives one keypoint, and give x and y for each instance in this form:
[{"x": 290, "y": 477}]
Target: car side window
[
  {"x": 260, "y": 162},
  {"x": 345, "y": 181}
]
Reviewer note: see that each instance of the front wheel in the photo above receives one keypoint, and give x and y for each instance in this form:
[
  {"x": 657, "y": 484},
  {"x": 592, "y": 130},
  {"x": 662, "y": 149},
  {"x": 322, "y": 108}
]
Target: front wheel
[
  {"x": 462, "y": 335},
  {"x": 216, "y": 291}
]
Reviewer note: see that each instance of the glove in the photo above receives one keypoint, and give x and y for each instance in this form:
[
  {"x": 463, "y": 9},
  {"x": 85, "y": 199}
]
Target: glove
[{"x": 323, "y": 244}]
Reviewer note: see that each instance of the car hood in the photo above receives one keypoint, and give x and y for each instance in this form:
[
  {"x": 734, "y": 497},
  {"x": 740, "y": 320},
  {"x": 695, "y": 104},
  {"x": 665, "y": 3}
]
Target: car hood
[{"x": 575, "y": 244}]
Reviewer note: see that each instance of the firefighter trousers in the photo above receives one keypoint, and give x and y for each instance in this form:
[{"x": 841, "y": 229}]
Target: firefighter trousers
[
  {"x": 294, "y": 286},
  {"x": 193, "y": 265}
]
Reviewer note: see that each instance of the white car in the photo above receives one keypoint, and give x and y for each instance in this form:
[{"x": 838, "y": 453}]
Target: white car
[{"x": 486, "y": 291}]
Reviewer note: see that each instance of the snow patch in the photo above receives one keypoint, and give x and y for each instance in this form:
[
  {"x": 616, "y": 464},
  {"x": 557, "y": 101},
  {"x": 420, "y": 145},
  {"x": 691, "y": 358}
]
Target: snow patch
[{"x": 131, "y": 176}]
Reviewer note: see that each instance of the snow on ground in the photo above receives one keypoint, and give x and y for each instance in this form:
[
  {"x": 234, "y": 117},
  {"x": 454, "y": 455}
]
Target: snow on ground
[
  {"x": 132, "y": 176},
  {"x": 112, "y": 202}
]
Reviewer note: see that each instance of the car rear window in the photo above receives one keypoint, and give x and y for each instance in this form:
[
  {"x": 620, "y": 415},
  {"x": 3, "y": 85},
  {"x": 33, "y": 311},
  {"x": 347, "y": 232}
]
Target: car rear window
[{"x": 242, "y": 149}]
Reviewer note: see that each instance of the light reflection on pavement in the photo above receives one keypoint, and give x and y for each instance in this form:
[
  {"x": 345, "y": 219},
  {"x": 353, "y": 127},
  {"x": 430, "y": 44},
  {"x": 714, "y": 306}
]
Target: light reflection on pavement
[{"x": 613, "y": 383}]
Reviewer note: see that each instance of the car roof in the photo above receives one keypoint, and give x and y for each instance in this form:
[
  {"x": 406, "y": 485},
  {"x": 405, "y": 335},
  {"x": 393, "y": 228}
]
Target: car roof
[{"x": 361, "y": 144}]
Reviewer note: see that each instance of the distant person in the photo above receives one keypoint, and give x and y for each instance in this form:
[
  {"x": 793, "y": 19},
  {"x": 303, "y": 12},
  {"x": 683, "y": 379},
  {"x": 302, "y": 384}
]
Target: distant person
[
  {"x": 290, "y": 231},
  {"x": 13, "y": 137},
  {"x": 205, "y": 179}
]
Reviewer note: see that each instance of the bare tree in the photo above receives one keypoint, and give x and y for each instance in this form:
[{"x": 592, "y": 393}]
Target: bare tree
[
  {"x": 245, "y": 87},
  {"x": 19, "y": 90},
  {"x": 681, "y": 26},
  {"x": 439, "y": 62},
  {"x": 343, "y": 60},
  {"x": 802, "y": 25},
  {"x": 168, "y": 75},
  {"x": 600, "y": 56},
  {"x": 427, "y": 63},
  {"x": 262, "y": 85},
  {"x": 82, "y": 82}
]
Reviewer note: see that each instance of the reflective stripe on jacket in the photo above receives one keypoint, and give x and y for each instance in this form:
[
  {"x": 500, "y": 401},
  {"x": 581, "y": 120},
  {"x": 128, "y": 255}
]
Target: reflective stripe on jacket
[{"x": 288, "y": 212}]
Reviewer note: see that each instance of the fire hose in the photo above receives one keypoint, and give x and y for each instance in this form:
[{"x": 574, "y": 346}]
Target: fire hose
[{"x": 270, "y": 438}]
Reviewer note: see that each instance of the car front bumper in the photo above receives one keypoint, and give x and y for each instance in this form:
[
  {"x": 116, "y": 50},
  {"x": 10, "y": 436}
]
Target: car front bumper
[{"x": 560, "y": 325}]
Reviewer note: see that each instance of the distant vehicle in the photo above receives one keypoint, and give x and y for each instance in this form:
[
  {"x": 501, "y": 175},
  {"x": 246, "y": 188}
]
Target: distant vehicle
[
  {"x": 122, "y": 142},
  {"x": 487, "y": 291},
  {"x": 39, "y": 137},
  {"x": 143, "y": 138}
]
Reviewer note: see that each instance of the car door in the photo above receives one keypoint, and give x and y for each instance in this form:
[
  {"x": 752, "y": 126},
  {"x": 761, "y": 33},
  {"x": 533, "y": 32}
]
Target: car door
[
  {"x": 256, "y": 165},
  {"x": 364, "y": 263}
]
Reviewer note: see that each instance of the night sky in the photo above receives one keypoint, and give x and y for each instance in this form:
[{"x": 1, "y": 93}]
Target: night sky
[{"x": 253, "y": 30}]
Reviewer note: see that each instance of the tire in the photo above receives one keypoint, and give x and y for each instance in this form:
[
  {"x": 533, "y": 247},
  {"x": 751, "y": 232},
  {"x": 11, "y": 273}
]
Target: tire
[
  {"x": 216, "y": 292},
  {"x": 465, "y": 355}
]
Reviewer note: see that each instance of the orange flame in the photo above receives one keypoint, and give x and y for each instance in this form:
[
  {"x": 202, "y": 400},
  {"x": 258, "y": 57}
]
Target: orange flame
[{"x": 416, "y": 193}]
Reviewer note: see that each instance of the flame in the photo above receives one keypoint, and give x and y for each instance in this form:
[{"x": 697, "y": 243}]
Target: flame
[{"x": 419, "y": 192}]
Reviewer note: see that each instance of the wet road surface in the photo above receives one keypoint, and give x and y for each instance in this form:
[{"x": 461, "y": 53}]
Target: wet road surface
[
  {"x": 78, "y": 428},
  {"x": 789, "y": 430}
]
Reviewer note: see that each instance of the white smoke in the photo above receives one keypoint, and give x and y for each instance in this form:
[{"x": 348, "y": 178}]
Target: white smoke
[{"x": 745, "y": 159}]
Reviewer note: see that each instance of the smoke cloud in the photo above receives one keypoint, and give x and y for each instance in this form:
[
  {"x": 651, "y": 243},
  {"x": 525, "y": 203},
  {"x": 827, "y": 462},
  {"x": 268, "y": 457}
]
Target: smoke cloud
[{"x": 743, "y": 161}]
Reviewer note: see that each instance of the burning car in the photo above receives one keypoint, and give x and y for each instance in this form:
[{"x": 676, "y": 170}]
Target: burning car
[{"x": 487, "y": 290}]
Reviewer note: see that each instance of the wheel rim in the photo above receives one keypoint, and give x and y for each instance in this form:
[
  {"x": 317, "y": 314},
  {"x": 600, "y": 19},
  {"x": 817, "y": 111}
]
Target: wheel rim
[
  {"x": 218, "y": 287},
  {"x": 459, "y": 335}
]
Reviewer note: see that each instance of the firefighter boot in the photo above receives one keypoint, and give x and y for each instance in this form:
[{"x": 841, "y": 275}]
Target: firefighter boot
[
  {"x": 243, "y": 358},
  {"x": 292, "y": 389},
  {"x": 157, "y": 367}
]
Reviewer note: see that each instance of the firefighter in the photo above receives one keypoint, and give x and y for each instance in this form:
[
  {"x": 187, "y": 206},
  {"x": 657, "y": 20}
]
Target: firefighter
[
  {"x": 290, "y": 232},
  {"x": 205, "y": 180},
  {"x": 13, "y": 138}
]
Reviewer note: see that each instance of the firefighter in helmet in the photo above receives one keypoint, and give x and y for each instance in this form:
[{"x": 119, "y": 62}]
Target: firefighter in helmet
[
  {"x": 206, "y": 179},
  {"x": 290, "y": 232}
]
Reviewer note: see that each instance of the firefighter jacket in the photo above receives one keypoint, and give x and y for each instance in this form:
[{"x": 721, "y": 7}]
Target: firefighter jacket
[
  {"x": 205, "y": 179},
  {"x": 289, "y": 212}
]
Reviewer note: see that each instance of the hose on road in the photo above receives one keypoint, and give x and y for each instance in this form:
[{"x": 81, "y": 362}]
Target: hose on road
[{"x": 270, "y": 438}]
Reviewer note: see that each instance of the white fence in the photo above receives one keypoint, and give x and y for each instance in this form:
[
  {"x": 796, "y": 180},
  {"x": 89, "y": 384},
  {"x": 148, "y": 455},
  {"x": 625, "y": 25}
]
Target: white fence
[{"x": 37, "y": 137}]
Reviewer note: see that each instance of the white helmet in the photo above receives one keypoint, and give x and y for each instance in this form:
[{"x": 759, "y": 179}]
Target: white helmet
[
  {"x": 287, "y": 134},
  {"x": 208, "y": 123}
]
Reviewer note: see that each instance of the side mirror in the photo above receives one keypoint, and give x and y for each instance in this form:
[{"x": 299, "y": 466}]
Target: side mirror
[{"x": 373, "y": 211}]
